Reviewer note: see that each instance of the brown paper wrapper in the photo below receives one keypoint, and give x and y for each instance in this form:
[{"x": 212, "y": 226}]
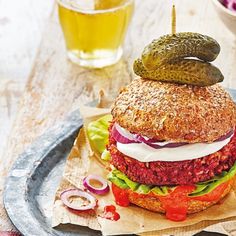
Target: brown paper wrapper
[{"x": 83, "y": 161}]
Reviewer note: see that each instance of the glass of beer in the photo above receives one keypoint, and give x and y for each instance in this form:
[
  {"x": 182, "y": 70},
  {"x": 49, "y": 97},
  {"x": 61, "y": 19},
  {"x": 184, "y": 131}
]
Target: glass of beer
[{"x": 94, "y": 30}]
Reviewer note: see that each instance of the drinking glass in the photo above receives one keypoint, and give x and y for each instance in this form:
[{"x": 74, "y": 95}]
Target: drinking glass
[{"x": 94, "y": 30}]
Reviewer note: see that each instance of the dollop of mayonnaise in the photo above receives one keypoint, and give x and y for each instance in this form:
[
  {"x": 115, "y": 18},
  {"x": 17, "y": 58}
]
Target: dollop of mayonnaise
[{"x": 144, "y": 153}]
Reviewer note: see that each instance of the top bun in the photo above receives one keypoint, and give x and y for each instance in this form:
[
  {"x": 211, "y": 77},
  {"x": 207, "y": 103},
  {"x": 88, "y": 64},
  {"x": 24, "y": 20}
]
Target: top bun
[{"x": 182, "y": 113}]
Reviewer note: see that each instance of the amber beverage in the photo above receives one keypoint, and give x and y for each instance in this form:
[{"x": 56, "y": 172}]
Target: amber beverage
[{"x": 94, "y": 30}]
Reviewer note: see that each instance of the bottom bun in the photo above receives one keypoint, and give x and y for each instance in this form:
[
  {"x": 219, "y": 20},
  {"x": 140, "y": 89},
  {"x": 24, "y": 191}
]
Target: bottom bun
[{"x": 152, "y": 202}]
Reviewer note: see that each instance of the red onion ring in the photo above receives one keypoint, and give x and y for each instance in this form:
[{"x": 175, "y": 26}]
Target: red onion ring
[
  {"x": 230, "y": 4},
  {"x": 65, "y": 195},
  {"x": 153, "y": 143},
  {"x": 126, "y": 137},
  {"x": 141, "y": 139},
  {"x": 120, "y": 136},
  {"x": 101, "y": 190}
]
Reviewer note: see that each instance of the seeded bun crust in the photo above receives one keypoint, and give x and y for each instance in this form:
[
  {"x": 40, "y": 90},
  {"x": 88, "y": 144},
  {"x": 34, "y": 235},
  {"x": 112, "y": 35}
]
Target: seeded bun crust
[
  {"x": 152, "y": 203},
  {"x": 182, "y": 113}
]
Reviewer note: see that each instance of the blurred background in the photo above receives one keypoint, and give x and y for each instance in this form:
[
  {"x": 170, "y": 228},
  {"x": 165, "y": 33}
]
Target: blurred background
[{"x": 21, "y": 28}]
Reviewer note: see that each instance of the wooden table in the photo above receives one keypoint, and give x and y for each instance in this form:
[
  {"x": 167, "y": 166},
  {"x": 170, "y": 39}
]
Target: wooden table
[{"x": 55, "y": 86}]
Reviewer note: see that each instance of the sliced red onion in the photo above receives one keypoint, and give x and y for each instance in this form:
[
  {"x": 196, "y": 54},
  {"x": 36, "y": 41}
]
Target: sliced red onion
[
  {"x": 101, "y": 190},
  {"x": 67, "y": 194},
  {"x": 142, "y": 139},
  {"x": 230, "y": 4},
  {"x": 225, "y": 2},
  {"x": 157, "y": 144},
  {"x": 122, "y": 136}
]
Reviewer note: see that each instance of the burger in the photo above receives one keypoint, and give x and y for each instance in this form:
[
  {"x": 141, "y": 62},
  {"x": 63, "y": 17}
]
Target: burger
[
  {"x": 171, "y": 140},
  {"x": 172, "y": 147}
]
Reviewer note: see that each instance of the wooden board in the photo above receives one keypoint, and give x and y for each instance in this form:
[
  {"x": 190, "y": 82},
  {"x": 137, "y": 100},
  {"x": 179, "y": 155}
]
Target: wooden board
[{"x": 56, "y": 86}]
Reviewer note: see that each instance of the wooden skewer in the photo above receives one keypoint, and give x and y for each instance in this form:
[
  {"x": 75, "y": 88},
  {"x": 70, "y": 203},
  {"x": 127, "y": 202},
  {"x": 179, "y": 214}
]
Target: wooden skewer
[{"x": 173, "y": 25}]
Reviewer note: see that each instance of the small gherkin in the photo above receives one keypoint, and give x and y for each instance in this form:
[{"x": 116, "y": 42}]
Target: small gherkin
[
  {"x": 180, "y": 45},
  {"x": 182, "y": 71}
]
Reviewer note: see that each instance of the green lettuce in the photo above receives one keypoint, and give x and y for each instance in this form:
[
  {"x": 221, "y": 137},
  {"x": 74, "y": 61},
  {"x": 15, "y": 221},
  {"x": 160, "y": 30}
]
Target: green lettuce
[
  {"x": 97, "y": 132},
  {"x": 122, "y": 181},
  {"x": 206, "y": 187}
]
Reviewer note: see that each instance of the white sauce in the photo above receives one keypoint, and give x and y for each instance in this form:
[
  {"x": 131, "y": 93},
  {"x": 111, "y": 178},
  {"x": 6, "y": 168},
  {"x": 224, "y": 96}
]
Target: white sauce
[{"x": 144, "y": 153}]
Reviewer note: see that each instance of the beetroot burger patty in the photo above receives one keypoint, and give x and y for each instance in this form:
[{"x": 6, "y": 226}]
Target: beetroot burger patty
[{"x": 176, "y": 172}]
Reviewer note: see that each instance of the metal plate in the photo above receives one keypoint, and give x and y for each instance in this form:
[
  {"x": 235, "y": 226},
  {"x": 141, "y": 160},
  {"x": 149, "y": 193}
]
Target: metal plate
[{"x": 33, "y": 180}]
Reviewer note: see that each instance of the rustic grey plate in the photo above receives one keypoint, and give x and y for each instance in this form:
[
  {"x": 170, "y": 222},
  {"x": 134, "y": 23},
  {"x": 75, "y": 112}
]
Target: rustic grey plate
[{"x": 33, "y": 180}]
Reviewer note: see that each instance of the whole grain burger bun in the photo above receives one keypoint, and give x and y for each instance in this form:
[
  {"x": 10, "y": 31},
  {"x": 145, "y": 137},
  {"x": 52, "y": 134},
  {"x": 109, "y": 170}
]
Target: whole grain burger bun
[
  {"x": 152, "y": 203},
  {"x": 182, "y": 113}
]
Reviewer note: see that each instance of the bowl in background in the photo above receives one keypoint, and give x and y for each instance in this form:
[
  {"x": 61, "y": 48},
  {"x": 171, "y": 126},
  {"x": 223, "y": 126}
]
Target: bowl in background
[{"x": 227, "y": 16}]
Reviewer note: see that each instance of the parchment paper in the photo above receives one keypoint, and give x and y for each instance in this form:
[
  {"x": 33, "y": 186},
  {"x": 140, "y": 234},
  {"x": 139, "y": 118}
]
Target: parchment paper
[{"x": 82, "y": 161}]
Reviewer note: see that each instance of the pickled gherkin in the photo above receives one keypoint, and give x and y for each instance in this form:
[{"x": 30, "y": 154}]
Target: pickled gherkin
[
  {"x": 183, "y": 71},
  {"x": 180, "y": 45}
]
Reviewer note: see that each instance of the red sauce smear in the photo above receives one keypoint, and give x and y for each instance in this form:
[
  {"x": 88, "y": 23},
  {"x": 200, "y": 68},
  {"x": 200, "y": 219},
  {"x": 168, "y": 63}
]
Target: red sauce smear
[
  {"x": 121, "y": 196},
  {"x": 110, "y": 213},
  {"x": 176, "y": 203}
]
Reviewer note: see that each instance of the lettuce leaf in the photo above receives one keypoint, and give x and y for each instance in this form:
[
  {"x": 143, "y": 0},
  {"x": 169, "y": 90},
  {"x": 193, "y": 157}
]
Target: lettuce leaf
[
  {"x": 122, "y": 181},
  {"x": 206, "y": 187},
  {"x": 97, "y": 132}
]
